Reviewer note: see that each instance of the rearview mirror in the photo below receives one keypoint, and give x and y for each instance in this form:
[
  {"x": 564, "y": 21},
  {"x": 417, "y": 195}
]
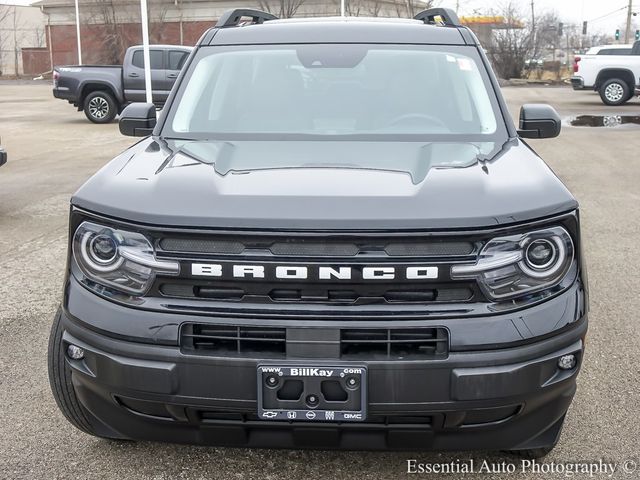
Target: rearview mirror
[
  {"x": 538, "y": 120},
  {"x": 138, "y": 119}
]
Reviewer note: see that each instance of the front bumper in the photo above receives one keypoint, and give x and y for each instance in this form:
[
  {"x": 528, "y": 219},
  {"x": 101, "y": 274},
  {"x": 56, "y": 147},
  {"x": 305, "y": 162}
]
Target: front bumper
[{"x": 499, "y": 398}]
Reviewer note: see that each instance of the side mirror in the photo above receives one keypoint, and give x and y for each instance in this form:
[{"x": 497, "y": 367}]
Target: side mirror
[
  {"x": 138, "y": 119},
  {"x": 3, "y": 156},
  {"x": 538, "y": 120}
]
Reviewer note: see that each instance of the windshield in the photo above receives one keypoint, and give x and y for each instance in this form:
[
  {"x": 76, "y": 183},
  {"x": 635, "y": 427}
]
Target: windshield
[{"x": 334, "y": 91}]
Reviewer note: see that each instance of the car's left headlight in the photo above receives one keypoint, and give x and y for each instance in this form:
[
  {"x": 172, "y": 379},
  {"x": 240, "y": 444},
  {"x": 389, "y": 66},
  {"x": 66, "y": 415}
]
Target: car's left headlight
[
  {"x": 516, "y": 265},
  {"x": 122, "y": 260}
]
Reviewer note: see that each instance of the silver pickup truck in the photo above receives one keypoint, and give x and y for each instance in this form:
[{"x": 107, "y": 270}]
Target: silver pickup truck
[{"x": 102, "y": 91}]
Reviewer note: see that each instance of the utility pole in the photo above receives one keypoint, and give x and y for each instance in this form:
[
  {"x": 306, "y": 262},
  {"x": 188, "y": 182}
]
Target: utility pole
[
  {"x": 627, "y": 31},
  {"x": 533, "y": 30}
]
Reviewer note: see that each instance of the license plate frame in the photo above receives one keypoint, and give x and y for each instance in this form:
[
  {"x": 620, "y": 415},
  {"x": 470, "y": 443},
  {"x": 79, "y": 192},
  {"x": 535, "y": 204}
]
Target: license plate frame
[{"x": 339, "y": 399}]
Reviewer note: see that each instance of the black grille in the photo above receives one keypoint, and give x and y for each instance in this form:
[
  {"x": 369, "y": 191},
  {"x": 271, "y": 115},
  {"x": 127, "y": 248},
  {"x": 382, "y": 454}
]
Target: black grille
[
  {"x": 297, "y": 246},
  {"x": 420, "y": 343},
  {"x": 299, "y": 249},
  {"x": 201, "y": 245},
  {"x": 429, "y": 249},
  {"x": 357, "y": 294},
  {"x": 394, "y": 343},
  {"x": 314, "y": 251},
  {"x": 229, "y": 341}
]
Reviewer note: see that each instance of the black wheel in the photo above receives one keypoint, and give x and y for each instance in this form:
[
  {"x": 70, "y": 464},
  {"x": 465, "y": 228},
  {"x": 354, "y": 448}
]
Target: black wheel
[
  {"x": 100, "y": 107},
  {"x": 532, "y": 453},
  {"x": 60, "y": 381},
  {"x": 615, "y": 92}
]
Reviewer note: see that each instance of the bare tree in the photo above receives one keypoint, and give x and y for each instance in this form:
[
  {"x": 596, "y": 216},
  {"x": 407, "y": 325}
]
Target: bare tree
[
  {"x": 354, "y": 8},
  {"x": 12, "y": 33},
  {"x": 281, "y": 8},
  {"x": 409, "y": 8},
  {"x": 511, "y": 46},
  {"x": 158, "y": 24},
  {"x": 110, "y": 24},
  {"x": 547, "y": 35},
  {"x": 5, "y": 13},
  {"x": 373, "y": 8},
  {"x": 107, "y": 14},
  {"x": 16, "y": 49},
  {"x": 40, "y": 36}
]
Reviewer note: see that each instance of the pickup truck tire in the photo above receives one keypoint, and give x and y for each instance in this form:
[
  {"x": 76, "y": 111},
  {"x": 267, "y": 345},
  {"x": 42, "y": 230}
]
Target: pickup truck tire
[
  {"x": 100, "y": 107},
  {"x": 615, "y": 92}
]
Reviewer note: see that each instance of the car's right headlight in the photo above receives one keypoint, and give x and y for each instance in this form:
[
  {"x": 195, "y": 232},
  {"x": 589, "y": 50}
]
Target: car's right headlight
[
  {"x": 517, "y": 265},
  {"x": 118, "y": 259}
]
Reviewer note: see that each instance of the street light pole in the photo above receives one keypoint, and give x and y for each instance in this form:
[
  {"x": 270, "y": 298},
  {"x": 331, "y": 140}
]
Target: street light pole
[
  {"x": 533, "y": 30},
  {"x": 627, "y": 31},
  {"x": 145, "y": 50},
  {"x": 78, "y": 34}
]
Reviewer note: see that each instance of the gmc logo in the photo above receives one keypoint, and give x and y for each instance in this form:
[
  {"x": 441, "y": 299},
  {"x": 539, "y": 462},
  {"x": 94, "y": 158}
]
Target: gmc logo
[{"x": 296, "y": 272}]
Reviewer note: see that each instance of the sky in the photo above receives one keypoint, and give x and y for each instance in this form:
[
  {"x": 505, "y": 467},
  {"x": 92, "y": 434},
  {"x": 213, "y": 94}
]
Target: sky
[{"x": 570, "y": 11}]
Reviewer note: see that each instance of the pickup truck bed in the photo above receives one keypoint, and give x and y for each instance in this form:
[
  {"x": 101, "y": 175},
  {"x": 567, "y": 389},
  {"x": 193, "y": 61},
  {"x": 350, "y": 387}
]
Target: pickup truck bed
[{"x": 72, "y": 80}]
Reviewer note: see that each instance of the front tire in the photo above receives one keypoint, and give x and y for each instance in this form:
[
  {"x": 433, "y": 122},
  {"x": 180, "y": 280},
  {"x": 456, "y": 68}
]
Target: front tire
[
  {"x": 100, "y": 107},
  {"x": 615, "y": 92},
  {"x": 532, "y": 453},
  {"x": 60, "y": 381}
]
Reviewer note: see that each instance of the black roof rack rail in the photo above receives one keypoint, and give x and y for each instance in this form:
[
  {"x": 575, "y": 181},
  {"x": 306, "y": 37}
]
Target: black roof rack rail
[
  {"x": 447, "y": 17},
  {"x": 232, "y": 18}
]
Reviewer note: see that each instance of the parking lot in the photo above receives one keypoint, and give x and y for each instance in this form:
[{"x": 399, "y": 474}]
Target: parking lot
[{"x": 53, "y": 149}]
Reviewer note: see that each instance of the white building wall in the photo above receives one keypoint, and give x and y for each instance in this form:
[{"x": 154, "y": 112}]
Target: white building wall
[{"x": 20, "y": 27}]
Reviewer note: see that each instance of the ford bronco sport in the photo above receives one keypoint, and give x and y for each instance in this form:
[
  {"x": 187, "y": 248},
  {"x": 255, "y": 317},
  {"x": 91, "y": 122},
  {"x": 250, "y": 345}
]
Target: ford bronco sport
[{"x": 333, "y": 236}]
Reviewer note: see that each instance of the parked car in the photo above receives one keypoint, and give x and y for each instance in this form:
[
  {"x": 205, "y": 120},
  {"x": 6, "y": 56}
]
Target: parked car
[
  {"x": 615, "y": 75},
  {"x": 333, "y": 236},
  {"x": 3, "y": 156},
  {"x": 102, "y": 91}
]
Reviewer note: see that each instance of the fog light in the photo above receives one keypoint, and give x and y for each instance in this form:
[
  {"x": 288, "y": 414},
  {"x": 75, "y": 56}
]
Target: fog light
[
  {"x": 567, "y": 362},
  {"x": 75, "y": 353}
]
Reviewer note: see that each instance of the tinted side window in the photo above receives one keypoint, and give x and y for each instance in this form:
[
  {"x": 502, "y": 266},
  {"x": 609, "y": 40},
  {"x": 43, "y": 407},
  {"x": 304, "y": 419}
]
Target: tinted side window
[
  {"x": 177, "y": 59},
  {"x": 156, "y": 59},
  {"x": 615, "y": 51}
]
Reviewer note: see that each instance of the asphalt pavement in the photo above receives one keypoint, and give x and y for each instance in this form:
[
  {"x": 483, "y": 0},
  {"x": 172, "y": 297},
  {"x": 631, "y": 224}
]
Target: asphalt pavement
[{"x": 53, "y": 149}]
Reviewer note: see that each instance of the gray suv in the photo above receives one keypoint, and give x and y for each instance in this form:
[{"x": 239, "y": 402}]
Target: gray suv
[{"x": 333, "y": 237}]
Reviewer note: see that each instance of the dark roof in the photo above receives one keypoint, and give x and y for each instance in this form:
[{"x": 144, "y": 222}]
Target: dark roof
[{"x": 336, "y": 30}]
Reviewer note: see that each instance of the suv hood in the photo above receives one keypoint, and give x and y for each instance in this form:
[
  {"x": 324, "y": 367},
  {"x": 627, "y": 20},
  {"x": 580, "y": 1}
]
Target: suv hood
[{"x": 213, "y": 184}]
